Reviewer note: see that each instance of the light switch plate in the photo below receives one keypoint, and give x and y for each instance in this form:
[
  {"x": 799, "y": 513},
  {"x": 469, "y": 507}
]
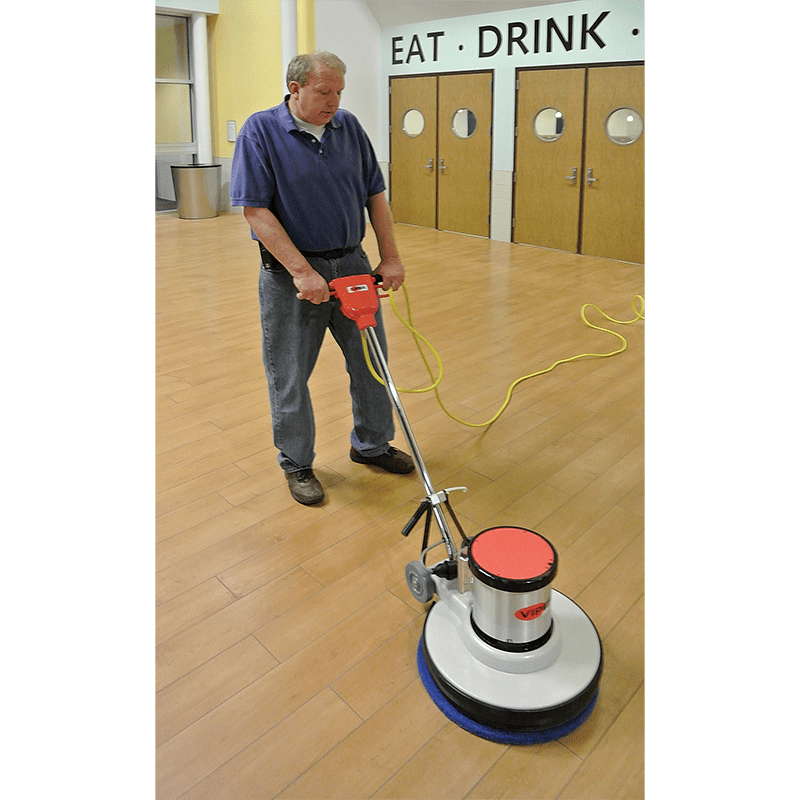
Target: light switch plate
[{"x": 231, "y": 130}]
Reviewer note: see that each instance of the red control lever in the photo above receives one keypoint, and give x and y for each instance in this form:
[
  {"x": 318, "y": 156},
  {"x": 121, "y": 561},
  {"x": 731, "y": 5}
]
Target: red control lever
[{"x": 359, "y": 298}]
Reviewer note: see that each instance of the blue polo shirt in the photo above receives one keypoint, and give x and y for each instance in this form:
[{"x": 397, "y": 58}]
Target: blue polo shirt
[{"x": 317, "y": 190}]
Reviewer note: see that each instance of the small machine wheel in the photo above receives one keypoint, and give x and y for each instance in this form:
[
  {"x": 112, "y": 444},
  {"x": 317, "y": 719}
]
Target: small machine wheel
[{"x": 420, "y": 582}]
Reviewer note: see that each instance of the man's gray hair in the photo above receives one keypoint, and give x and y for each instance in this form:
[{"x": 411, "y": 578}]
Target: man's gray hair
[{"x": 300, "y": 67}]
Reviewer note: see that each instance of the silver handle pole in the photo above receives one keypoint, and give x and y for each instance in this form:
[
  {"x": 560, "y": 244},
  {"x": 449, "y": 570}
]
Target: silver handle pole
[{"x": 383, "y": 371}]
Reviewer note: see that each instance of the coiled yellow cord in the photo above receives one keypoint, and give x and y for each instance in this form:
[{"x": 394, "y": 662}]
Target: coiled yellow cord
[{"x": 638, "y": 314}]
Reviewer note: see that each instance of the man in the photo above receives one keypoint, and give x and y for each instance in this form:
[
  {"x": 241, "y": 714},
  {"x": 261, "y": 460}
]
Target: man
[{"x": 304, "y": 172}]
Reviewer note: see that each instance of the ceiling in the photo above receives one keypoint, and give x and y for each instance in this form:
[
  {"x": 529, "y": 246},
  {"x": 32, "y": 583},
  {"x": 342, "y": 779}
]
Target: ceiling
[{"x": 391, "y": 13}]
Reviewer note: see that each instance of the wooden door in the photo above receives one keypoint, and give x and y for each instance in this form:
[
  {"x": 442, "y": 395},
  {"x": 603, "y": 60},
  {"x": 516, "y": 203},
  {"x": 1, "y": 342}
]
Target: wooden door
[
  {"x": 549, "y": 143},
  {"x": 613, "y": 203},
  {"x": 414, "y": 150},
  {"x": 465, "y": 152}
]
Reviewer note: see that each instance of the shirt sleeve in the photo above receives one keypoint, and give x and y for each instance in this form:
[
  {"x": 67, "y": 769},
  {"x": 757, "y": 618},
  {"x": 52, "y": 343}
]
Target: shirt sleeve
[{"x": 252, "y": 177}]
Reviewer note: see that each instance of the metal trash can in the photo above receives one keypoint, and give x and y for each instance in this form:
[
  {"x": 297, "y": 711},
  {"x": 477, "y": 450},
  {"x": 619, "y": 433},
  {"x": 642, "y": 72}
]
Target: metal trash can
[{"x": 197, "y": 188}]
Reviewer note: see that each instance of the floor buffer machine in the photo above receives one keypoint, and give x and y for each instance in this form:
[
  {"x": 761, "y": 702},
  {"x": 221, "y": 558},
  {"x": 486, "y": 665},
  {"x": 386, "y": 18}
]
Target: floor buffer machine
[{"x": 502, "y": 654}]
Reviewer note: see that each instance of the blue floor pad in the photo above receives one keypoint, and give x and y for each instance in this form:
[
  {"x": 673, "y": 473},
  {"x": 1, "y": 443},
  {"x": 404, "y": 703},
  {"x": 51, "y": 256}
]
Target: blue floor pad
[{"x": 494, "y": 734}]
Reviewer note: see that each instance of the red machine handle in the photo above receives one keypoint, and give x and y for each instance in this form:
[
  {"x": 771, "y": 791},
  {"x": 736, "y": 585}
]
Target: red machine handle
[{"x": 359, "y": 298}]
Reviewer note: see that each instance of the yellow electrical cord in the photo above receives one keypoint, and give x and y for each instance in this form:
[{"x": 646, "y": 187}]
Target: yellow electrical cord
[
  {"x": 638, "y": 314},
  {"x": 417, "y": 337}
]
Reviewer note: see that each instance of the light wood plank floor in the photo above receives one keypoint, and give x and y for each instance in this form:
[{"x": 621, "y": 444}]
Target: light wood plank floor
[{"x": 286, "y": 637}]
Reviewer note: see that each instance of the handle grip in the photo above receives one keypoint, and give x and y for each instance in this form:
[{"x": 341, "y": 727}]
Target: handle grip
[
  {"x": 424, "y": 506},
  {"x": 359, "y": 298}
]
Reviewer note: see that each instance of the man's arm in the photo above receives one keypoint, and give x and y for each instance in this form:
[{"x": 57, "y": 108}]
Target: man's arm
[
  {"x": 309, "y": 283},
  {"x": 391, "y": 267}
]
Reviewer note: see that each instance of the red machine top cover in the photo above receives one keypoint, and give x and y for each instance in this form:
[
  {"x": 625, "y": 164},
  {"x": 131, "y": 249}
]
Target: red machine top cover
[{"x": 512, "y": 553}]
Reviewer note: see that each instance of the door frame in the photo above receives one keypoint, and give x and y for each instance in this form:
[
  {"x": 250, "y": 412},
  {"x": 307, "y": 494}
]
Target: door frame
[
  {"x": 437, "y": 75},
  {"x": 581, "y": 133},
  {"x": 585, "y": 67}
]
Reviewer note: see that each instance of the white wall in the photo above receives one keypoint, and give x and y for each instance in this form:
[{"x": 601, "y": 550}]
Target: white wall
[
  {"x": 348, "y": 28},
  {"x": 486, "y": 42},
  {"x": 458, "y": 49}
]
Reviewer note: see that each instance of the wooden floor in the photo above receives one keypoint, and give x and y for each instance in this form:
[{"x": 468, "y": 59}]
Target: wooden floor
[{"x": 286, "y": 636}]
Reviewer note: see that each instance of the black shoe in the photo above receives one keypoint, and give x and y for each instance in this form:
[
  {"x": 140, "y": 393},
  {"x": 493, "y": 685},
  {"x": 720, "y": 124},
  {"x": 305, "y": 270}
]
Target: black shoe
[
  {"x": 394, "y": 460},
  {"x": 304, "y": 486}
]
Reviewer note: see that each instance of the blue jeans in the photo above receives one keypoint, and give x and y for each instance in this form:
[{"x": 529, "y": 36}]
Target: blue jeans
[{"x": 292, "y": 335}]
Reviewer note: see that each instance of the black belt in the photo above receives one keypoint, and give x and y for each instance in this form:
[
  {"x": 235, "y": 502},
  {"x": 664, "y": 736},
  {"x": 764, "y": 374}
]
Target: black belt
[
  {"x": 329, "y": 255},
  {"x": 270, "y": 262}
]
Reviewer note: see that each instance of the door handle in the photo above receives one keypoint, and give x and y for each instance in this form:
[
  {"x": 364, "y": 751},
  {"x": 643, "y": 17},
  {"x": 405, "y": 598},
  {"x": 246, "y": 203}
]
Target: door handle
[
  {"x": 589, "y": 179},
  {"x": 429, "y": 165},
  {"x": 573, "y": 177},
  {"x": 442, "y": 167}
]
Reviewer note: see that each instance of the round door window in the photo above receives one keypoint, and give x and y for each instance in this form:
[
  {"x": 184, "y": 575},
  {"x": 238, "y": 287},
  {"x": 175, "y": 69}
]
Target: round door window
[
  {"x": 413, "y": 122},
  {"x": 548, "y": 124},
  {"x": 624, "y": 126},
  {"x": 464, "y": 123}
]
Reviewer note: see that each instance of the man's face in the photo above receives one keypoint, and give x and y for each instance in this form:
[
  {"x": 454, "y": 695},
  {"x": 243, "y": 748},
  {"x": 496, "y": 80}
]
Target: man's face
[{"x": 318, "y": 100}]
